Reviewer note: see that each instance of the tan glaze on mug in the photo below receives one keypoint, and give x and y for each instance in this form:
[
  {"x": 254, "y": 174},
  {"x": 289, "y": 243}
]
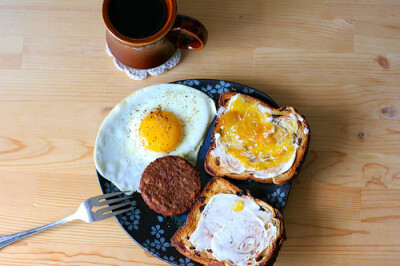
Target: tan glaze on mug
[{"x": 179, "y": 31}]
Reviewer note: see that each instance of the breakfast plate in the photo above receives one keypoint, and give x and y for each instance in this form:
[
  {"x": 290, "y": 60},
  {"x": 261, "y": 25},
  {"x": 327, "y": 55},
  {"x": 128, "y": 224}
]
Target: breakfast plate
[{"x": 153, "y": 231}]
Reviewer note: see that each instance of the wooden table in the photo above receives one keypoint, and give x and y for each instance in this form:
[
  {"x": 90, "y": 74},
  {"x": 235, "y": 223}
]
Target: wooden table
[{"x": 337, "y": 61}]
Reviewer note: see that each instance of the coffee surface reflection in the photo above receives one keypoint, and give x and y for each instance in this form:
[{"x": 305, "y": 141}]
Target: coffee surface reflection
[{"x": 137, "y": 18}]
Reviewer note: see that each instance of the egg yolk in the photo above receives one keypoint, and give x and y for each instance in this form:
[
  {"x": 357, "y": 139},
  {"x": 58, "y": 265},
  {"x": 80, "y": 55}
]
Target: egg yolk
[
  {"x": 160, "y": 131},
  {"x": 249, "y": 134},
  {"x": 238, "y": 206}
]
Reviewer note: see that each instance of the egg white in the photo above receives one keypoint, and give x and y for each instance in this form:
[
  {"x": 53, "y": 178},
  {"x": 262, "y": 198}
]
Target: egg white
[{"x": 119, "y": 154}]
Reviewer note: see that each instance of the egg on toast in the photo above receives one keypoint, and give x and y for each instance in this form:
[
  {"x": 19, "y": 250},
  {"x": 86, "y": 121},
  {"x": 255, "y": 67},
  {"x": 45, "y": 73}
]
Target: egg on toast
[
  {"x": 252, "y": 140},
  {"x": 227, "y": 227}
]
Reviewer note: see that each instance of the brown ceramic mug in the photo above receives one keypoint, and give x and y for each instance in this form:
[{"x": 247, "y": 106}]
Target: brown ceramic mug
[{"x": 144, "y": 34}]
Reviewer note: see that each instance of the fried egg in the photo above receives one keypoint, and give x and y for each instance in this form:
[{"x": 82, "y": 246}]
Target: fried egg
[
  {"x": 250, "y": 138},
  {"x": 235, "y": 228},
  {"x": 160, "y": 120}
]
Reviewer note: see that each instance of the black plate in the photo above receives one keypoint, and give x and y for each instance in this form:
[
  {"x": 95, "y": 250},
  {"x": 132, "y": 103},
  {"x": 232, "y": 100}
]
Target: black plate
[{"x": 152, "y": 231}]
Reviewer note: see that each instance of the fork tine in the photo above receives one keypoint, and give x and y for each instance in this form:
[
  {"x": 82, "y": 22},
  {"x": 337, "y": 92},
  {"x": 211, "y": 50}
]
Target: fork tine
[
  {"x": 110, "y": 201},
  {"x": 111, "y": 208},
  {"x": 100, "y": 216},
  {"x": 109, "y": 195},
  {"x": 96, "y": 201}
]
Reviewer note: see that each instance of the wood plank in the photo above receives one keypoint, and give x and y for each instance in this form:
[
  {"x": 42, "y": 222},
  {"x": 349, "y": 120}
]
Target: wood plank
[
  {"x": 342, "y": 254},
  {"x": 377, "y": 37},
  {"x": 54, "y": 155},
  {"x": 49, "y": 19},
  {"x": 294, "y": 70},
  {"x": 380, "y": 205},
  {"x": 386, "y": 10},
  {"x": 17, "y": 190},
  {"x": 278, "y": 24},
  {"x": 364, "y": 171},
  {"x": 91, "y": 254},
  {"x": 290, "y": 8},
  {"x": 10, "y": 61},
  {"x": 11, "y": 45}
]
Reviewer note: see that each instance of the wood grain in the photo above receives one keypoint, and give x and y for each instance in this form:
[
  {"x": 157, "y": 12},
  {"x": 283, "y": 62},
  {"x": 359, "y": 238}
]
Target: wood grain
[{"x": 336, "y": 61}]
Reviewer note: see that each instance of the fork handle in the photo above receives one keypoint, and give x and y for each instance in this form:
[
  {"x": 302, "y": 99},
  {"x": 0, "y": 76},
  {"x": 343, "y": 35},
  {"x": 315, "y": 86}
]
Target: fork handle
[{"x": 8, "y": 239}]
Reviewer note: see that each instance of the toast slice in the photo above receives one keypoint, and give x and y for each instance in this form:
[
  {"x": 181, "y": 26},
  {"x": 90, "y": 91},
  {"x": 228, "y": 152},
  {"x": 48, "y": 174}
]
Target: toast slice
[
  {"x": 268, "y": 167},
  {"x": 182, "y": 240}
]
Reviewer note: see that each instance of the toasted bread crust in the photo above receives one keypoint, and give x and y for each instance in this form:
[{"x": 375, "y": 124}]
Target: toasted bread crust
[
  {"x": 213, "y": 167},
  {"x": 218, "y": 185}
]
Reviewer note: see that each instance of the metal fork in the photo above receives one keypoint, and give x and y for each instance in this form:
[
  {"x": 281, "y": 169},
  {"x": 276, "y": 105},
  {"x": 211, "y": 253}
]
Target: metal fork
[{"x": 83, "y": 213}]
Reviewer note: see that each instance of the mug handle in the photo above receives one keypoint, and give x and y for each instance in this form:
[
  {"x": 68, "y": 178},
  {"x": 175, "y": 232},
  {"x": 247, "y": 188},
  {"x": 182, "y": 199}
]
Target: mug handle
[{"x": 192, "y": 35}]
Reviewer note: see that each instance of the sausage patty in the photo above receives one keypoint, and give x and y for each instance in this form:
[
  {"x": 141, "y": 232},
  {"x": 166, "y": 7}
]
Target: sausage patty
[{"x": 170, "y": 185}]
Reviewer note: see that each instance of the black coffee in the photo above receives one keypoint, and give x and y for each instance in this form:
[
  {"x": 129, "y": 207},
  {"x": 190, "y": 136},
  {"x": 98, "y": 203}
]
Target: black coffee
[{"x": 137, "y": 18}]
